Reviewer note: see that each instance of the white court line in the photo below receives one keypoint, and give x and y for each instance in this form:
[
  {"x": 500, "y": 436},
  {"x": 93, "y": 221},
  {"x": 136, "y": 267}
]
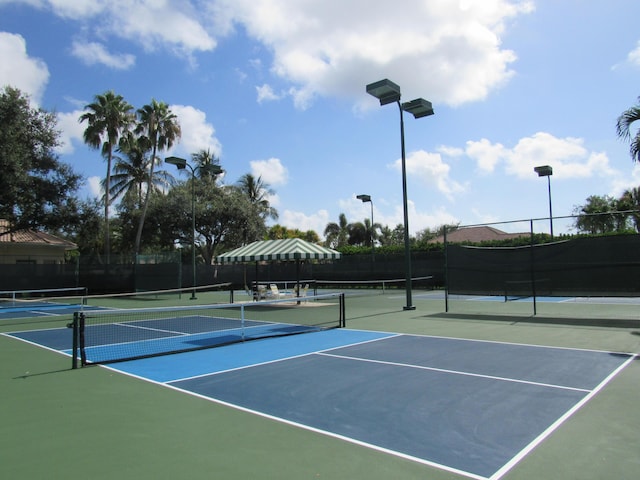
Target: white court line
[
  {"x": 457, "y": 372},
  {"x": 555, "y": 425}
]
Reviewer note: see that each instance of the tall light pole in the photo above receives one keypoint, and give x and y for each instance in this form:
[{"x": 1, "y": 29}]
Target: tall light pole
[
  {"x": 388, "y": 92},
  {"x": 365, "y": 199},
  {"x": 547, "y": 171},
  {"x": 181, "y": 163}
]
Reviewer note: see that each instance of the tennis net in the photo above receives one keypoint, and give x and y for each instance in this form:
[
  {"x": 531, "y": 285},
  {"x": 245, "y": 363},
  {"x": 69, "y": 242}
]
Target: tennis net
[
  {"x": 42, "y": 298},
  {"x": 374, "y": 287},
  {"x": 108, "y": 336}
]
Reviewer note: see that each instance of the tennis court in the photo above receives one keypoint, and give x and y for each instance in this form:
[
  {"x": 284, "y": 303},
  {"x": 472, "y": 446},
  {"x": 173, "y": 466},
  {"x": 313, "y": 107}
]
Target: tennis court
[{"x": 394, "y": 395}]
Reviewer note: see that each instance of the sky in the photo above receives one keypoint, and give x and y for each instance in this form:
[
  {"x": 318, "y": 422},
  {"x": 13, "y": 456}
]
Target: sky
[{"x": 277, "y": 88}]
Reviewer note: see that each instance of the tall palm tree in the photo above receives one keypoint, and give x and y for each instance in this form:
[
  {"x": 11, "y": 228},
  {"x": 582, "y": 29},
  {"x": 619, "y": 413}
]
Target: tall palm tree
[
  {"x": 203, "y": 158},
  {"x": 630, "y": 200},
  {"x": 623, "y": 128},
  {"x": 371, "y": 232},
  {"x": 258, "y": 192},
  {"x": 159, "y": 129},
  {"x": 337, "y": 234},
  {"x": 130, "y": 172},
  {"x": 108, "y": 119}
]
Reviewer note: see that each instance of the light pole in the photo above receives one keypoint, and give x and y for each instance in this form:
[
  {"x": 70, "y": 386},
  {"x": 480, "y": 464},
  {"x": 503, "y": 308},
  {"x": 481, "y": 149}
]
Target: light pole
[
  {"x": 547, "y": 171},
  {"x": 181, "y": 163},
  {"x": 388, "y": 92},
  {"x": 365, "y": 199}
]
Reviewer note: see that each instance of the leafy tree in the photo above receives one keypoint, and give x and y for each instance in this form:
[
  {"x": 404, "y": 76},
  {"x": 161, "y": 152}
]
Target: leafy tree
[
  {"x": 202, "y": 159},
  {"x": 630, "y": 201},
  {"x": 36, "y": 189},
  {"x": 225, "y": 218},
  {"x": 623, "y": 128},
  {"x": 130, "y": 172},
  {"x": 108, "y": 119},
  {"x": 258, "y": 193},
  {"x": 279, "y": 232},
  {"x": 337, "y": 234},
  {"x": 81, "y": 223},
  {"x": 371, "y": 232},
  {"x": 159, "y": 129},
  {"x": 357, "y": 233},
  {"x": 597, "y": 216}
]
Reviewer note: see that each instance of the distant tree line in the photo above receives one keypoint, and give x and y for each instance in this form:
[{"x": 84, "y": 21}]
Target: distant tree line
[{"x": 153, "y": 208}]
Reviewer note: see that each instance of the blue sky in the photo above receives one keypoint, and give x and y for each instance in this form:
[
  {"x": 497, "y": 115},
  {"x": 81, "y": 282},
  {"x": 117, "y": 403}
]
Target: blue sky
[{"x": 276, "y": 88}]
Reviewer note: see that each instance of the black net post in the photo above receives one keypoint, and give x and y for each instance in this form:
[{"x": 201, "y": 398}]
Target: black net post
[
  {"x": 81, "y": 339},
  {"x": 343, "y": 320},
  {"x": 74, "y": 342}
]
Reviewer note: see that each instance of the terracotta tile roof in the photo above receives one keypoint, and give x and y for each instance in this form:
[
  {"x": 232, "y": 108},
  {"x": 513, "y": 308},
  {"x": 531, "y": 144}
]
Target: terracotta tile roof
[
  {"x": 32, "y": 237},
  {"x": 477, "y": 235}
]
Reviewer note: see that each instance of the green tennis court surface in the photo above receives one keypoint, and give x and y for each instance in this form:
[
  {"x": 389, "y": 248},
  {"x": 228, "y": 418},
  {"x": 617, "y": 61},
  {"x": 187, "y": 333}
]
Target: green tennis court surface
[{"x": 155, "y": 432}]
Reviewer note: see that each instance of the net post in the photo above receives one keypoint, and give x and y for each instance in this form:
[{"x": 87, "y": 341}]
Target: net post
[
  {"x": 342, "y": 320},
  {"x": 242, "y": 320},
  {"x": 81, "y": 339},
  {"x": 74, "y": 348}
]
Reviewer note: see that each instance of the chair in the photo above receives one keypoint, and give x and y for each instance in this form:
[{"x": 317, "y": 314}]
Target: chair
[
  {"x": 274, "y": 291},
  {"x": 303, "y": 291},
  {"x": 260, "y": 292}
]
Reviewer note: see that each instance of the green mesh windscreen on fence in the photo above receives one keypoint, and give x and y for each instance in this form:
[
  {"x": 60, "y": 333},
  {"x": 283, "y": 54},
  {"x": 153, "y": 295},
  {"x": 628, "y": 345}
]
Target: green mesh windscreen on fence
[{"x": 590, "y": 266}]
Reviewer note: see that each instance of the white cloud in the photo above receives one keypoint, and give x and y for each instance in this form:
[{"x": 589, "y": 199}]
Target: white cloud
[
  {"x": 626, "y": 182},
  {"x": 176, "y": 26},
  {"x": 95, "y": 186},
  {"x": 568, "y": 157},
  {"x": 77, "y": 9},
  {"x": 431, "y": 170},
  {"x": 70, "y": 130},
  {"x": 486, "y": 154},
  {"x": 316, "y": 221},
  {"x": 450, "y": 51},
  {"x": 634, "y": 56},
  {"x": 272, "y": 171},
  {"x": 19, "y": 70},
  {"x": 197, "y": 134},
  {"x": 92, "y": 53},
  {"x": 266, "y": 94}
]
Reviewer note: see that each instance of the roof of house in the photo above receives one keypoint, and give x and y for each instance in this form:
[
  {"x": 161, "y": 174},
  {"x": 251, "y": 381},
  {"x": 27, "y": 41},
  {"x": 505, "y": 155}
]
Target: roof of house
[
  {"x": 29, "y": 236},
  {"x": 477, "y": 235}
]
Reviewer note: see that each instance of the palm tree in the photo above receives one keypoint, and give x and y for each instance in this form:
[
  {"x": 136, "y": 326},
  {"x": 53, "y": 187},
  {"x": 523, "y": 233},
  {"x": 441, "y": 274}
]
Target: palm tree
[
  {"x": 630, "y": 200},
  {"x": 203, "y": 158},
  {"x": 159, "y": 129},
  {"x": 337, "y": 233},
  {"x": 371, "y": 232},
  {"x": 623, "y": 128},
  {"x": 258, "y": 191},
  {"x": 108, "y": 119},
  {"x": 130, "y": 173}
]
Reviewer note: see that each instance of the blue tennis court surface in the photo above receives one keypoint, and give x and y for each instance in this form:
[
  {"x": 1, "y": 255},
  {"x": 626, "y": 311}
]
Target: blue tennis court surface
[
  {"x": 41, "y": 309},
  {"x": 473, "y": 408}
]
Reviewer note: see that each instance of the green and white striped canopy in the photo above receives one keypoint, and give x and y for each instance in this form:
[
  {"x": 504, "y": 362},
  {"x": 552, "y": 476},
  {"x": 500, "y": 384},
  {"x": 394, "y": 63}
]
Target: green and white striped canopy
[{"x": 287, "y": 249}]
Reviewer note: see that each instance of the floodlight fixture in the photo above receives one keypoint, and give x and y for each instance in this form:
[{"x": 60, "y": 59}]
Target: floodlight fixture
[
  {"x": 418, "y": 108},
  {"x": 384, "y": 90},
  {"x": 181, "y": 163},
  {"x": 543, "y": 171}
]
